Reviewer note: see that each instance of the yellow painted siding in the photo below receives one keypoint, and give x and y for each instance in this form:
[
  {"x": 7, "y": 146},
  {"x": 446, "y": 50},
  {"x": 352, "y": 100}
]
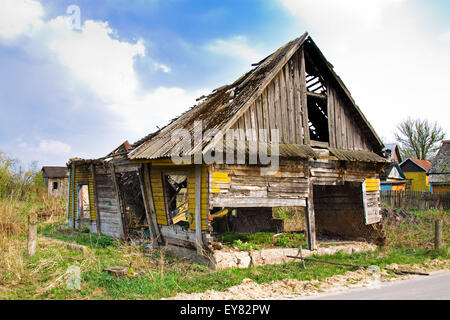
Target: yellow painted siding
[
  {"x": 203, "y": 197},
  {"x": 419, "y": 181},
  {"x": 81, "y": 175},
  {"x": 158, "y": 195},
  {"x": 372, "y": 184}
]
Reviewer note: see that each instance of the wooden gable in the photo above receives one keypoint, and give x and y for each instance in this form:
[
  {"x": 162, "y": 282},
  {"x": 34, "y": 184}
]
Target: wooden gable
[{"x": 307, "y": 105}]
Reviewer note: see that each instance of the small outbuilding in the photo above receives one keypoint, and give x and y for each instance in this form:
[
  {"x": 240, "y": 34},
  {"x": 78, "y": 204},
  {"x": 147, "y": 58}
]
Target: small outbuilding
[{"x": 56, "y": 180}]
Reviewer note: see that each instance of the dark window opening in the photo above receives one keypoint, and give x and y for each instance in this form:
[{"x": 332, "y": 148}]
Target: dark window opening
[
  {"x": 130, "y": 194},
  {"x": 318, "y": 119},
  {"x": 176, "y": 197},
  {"x": 55, "y": 185}
]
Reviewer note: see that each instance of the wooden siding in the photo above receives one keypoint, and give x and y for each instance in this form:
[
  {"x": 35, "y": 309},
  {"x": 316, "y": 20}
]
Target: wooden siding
[
  {"x": 204, "y": 198},
  {"x": 278, "y": 107},
  {"x": 247, "y": 187},
  {"x": 158, "y": 195},
  {"x": 82, "y": 175},
  {"x": 107, "y": 204},
  {"x": 282, "y": 105},
  {"x": 344, "y": 131}
]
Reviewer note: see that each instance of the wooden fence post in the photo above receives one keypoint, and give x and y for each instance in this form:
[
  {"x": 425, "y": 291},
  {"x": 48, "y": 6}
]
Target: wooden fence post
[
  {"x": 438, "y": 234},
  {"x": 31, "y": 234}
]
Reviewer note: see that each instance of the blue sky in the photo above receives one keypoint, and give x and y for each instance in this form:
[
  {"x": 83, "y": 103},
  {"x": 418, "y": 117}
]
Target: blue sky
[{"x": 134, "y": 65}]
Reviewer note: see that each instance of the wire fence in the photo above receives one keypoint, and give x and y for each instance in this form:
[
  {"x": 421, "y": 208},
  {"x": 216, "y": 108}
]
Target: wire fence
[{"x": 415, "y": 200}]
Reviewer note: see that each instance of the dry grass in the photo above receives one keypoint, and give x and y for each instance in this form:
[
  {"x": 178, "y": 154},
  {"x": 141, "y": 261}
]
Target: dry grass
[
  {"x": 16, "y": 267},
  {"x": 418, "y": 233}
]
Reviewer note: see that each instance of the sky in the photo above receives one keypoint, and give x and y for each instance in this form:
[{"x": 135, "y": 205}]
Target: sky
[{"x": 77, "y": 78}]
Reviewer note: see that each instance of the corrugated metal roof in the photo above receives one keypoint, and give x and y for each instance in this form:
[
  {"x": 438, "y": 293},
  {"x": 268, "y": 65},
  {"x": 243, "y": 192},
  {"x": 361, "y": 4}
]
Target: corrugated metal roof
[{"x": 425, "y": 164}]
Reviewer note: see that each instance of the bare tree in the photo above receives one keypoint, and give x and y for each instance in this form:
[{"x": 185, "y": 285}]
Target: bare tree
[{"x": 418, "y": 138}]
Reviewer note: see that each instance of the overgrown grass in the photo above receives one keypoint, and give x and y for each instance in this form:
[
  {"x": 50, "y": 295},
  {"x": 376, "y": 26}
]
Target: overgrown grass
[
  {"x": 260, "y": 240},
  {"x": 157, "y": 274},
  {"x": 419, "y": 233}
]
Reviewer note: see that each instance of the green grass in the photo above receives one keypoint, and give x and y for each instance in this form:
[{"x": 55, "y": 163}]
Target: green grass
[
  {"x": 260, "y": 240},
  {"x": 159, "y": 274},
  {"x": 175, "y": 282}
]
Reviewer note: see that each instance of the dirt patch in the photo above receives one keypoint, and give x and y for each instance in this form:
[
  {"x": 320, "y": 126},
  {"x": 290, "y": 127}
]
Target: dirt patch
[{"x": 249, "y": 289}]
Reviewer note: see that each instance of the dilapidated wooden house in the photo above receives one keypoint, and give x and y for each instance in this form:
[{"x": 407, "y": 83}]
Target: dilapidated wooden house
[{"x": 320, "y": 154}]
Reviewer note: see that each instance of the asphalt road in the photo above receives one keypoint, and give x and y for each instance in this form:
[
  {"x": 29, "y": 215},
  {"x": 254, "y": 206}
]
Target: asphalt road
[{"x": 433, "y": 287}]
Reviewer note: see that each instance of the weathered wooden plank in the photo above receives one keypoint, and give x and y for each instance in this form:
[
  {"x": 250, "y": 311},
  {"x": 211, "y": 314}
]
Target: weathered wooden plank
[
  {"x": 119, "y": 206},
  {"x": 256, "y": 202},
  {"x": 290, "y": 101},
  {"x": 198, "y": 214},
  {"x": 310, "y": 219},
  {"x": 297, "y": 101},
  {"x": 97, "y": 212},
  {"x": 306, "y": 138},
  {"x": 283, "y": 106}
]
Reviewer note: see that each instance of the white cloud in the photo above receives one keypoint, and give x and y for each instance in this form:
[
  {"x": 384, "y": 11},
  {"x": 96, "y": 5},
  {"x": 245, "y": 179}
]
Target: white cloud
[
  {"x": 237, "y": 47},
  {"x": 93, "y": 56},
  {"x": 54, "y": 147},
  {"x": 390, "y": 54},
  {"x": 162, "y": 67},
  {"x": 96, "y": 57},
  {"x": 153, "y": 108},
  {"x": 19, "y": 17}
]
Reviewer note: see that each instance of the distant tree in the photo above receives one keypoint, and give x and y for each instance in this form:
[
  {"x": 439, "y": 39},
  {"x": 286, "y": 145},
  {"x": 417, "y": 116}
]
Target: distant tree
[
  {"x": 17, "y": 181},
  {"x": 418, "y": 138}
]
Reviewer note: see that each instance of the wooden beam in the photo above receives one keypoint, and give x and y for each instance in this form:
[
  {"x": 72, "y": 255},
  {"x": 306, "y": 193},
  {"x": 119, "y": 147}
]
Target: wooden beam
[
  {"x": 303, "y": 97},
  {"x": 144, "y": 198},
  {"x": 74, "y": 190},
  {"x": 97, "y": 212},
  {"x": 119, "y": 204},
  {"x": 316, "y": 95},
  {"x": 310, "y": 219},
  {"x": 152, "y": 204},
  {"x": 198, "y": 207}
]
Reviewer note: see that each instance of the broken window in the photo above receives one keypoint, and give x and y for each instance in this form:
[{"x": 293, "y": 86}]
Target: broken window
[
  {"x": 176, "y": 197},
  {"x": 55, "y": 185},
  {"x": 83, "y": 201}
]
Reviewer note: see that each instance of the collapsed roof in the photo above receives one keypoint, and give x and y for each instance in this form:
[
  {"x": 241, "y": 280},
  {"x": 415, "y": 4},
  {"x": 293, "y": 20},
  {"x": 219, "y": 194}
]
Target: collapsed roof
[{"x": 223, "y": 106}]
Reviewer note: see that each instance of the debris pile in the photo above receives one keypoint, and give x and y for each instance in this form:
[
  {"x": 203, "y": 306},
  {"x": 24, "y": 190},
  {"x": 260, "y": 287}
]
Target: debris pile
[{"x": 395, "y": 216}]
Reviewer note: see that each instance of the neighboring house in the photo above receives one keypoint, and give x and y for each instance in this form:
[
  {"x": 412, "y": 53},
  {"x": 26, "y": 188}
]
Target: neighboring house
[
  {"x": 392, "y": 152},
  {"x": 392, "y": 178},
  {"x": 325, "y": 159},
  {"x": 415, "y": 171},
  {"x": 439, "y": 172},
  {"x": 56, "y": 180}
]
